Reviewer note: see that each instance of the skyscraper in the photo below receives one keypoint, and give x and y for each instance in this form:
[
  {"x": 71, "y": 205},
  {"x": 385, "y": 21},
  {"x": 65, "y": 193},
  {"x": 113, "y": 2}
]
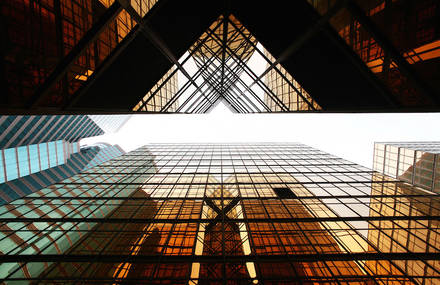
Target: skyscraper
[
  {"x": 27, "y": 130},
  {"x": 37, "y": 151},
  {"x": 67, "y": 56},
  {"x": 223, "y": 214},
  {"x": 417, "y": 163},
  {"x": 27, "y": 169}
]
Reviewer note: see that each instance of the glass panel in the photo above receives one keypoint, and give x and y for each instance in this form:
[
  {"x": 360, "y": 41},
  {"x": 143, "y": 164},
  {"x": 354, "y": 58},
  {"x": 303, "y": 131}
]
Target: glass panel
[
  {"x": 339, "y": 224},
  {"x": 44, "y": 156},
  {"x": 60, "y": 152},
  {"x": 52, "y": 154},
  {"x": 34, "y": 158},
  {"x": 23, "y": 160},
  {"x": 11, "y": 164}
]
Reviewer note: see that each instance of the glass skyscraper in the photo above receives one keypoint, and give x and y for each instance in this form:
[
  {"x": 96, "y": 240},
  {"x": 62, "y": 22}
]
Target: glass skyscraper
[
  {"x": 37, "y": 151},
  {"x": 26, "y": 169},
  {"x": 417, "y": 163},
  {"x": 27, "y": 130},
  {"x": 223, "y": 214}
]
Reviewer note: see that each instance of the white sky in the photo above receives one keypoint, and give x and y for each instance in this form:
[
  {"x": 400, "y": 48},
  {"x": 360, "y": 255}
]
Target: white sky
[{"x": 350, "y": 136}]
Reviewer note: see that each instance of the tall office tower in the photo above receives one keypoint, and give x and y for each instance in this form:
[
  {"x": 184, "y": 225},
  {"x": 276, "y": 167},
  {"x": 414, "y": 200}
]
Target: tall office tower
[
  {"x": 81, "y": 55},
  {"x": 38, "y": 35},
  {"x": 27, "y": 169},
  {"x": 409, "y": 27},
  {"x": 223, "y": 214},
  {"x": 417, "y": 163},
  {"x": 27, "y": 130},
  {"x": 416, "y": 233}
]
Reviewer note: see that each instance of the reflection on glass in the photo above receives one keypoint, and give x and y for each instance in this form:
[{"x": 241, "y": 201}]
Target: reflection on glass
[
  {"x": 412, "y": 162},
  {"x": 221, "y": 214}
]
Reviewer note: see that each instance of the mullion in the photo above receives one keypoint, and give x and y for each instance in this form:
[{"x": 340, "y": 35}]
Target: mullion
[
  {"x": 191, "y": 53},
  {"x": 250, "y": 73},
  {"x": 278, "y": 71},
  {"x": 213, "y": 72},
  {"x": 232, "y": 55}
]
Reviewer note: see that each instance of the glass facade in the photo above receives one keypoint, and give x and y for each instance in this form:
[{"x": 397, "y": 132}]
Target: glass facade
[
  {"x": 28, "y": 130},
  {"x": 24, "y": 160},
  {"x": 221, "y": 66},
  {"x": 40, "y": 34},
  {"x": 416, "y": 163},
  {"x": 161, "y": 94},
  {"x": 286, "y": 89},
  {"x": 410, "y": 27},
  {"x": 110, "y": 123},
  {"x": 223, "y": 214},
  {"x": 31, "y": 168},
  {"x": 54, "y": 50}
]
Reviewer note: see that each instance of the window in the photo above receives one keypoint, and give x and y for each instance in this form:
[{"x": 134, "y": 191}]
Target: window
[{"x": 284, "y": 193}]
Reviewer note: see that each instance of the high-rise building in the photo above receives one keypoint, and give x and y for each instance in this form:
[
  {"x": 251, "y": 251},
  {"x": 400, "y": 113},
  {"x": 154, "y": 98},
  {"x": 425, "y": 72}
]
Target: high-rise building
[
  {"x": 102, "y": 56},
  {"x": 27, "y": 130},
  {"x": 27, "y": 169},
  {"x": 269, "y": 213},
  {"x": 417, "y": 163},
  {"x": 413, "y": 234},
  {"x": 38, "y": 35}
]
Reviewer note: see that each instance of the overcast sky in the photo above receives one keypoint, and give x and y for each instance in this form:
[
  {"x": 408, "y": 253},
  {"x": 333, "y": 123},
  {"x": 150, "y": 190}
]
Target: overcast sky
[{"x": 350, "y": 136}]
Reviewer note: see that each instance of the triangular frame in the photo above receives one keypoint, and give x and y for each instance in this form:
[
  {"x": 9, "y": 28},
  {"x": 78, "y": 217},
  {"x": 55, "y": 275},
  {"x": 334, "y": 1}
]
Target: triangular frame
[{"x": 221, "y": 59}]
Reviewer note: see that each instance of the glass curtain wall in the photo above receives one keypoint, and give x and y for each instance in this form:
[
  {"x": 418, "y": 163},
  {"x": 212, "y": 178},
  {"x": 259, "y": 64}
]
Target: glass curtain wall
[{"x": 223, "y": 214}]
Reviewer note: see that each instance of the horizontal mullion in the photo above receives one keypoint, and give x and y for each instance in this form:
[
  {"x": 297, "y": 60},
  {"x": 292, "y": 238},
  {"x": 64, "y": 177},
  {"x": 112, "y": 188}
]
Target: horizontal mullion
[
  {"x": 236, "y": 220},
  {"x": 139, "y": 258}
]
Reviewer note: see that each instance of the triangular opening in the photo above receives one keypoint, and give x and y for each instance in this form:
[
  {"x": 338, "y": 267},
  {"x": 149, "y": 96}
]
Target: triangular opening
[{"x": 227, "y": 65}]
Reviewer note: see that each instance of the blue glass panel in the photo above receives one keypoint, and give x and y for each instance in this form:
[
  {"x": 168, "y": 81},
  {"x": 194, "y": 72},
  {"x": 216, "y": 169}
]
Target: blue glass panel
[
  {"x": 11, "y": 164},
  {"x": 60, "y": 152},
  {"x": 52, "y": 154},
  {"x": 75, "y": 147},
  {"x": 43, "y": 156},
  {"x": 33, "y": 156},
  {"x": 23, "y": 160},
  {"x": 2, "y": 169}
]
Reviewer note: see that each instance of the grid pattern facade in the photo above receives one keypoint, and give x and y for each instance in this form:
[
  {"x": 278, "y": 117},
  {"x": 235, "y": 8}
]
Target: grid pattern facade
[
  {"x": 417, "y": 163},
  {"x": 224, "y": 214},
  {"x": 25, "y": 160},
  {"x": 105, "y": 153},
  {"x": 160, "y": 95},
  {"x": 222, "y": 56},
  {"x": 27, "y": 130},
  {"x": 286, "y": 89},
  {"x": 412, "y": 29},
  {"x": 40, "y": 33},
  {"x": 50, "y": 167}
]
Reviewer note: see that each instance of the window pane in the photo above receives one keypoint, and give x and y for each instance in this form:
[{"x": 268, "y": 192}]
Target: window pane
[
  {"x": 60, "y": 152},
  {"x": 33, "y": 156},
  {"x": 23, "y": 161},
  {"x": 43, "y": 156},
  {"x": 11, "y": 164},
  {"x": 52, "y": 154}
]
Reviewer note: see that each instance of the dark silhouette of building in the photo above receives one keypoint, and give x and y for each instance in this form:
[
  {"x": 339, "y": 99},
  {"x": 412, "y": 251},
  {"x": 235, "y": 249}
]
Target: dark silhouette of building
[{"x": 155, "y": 56}]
